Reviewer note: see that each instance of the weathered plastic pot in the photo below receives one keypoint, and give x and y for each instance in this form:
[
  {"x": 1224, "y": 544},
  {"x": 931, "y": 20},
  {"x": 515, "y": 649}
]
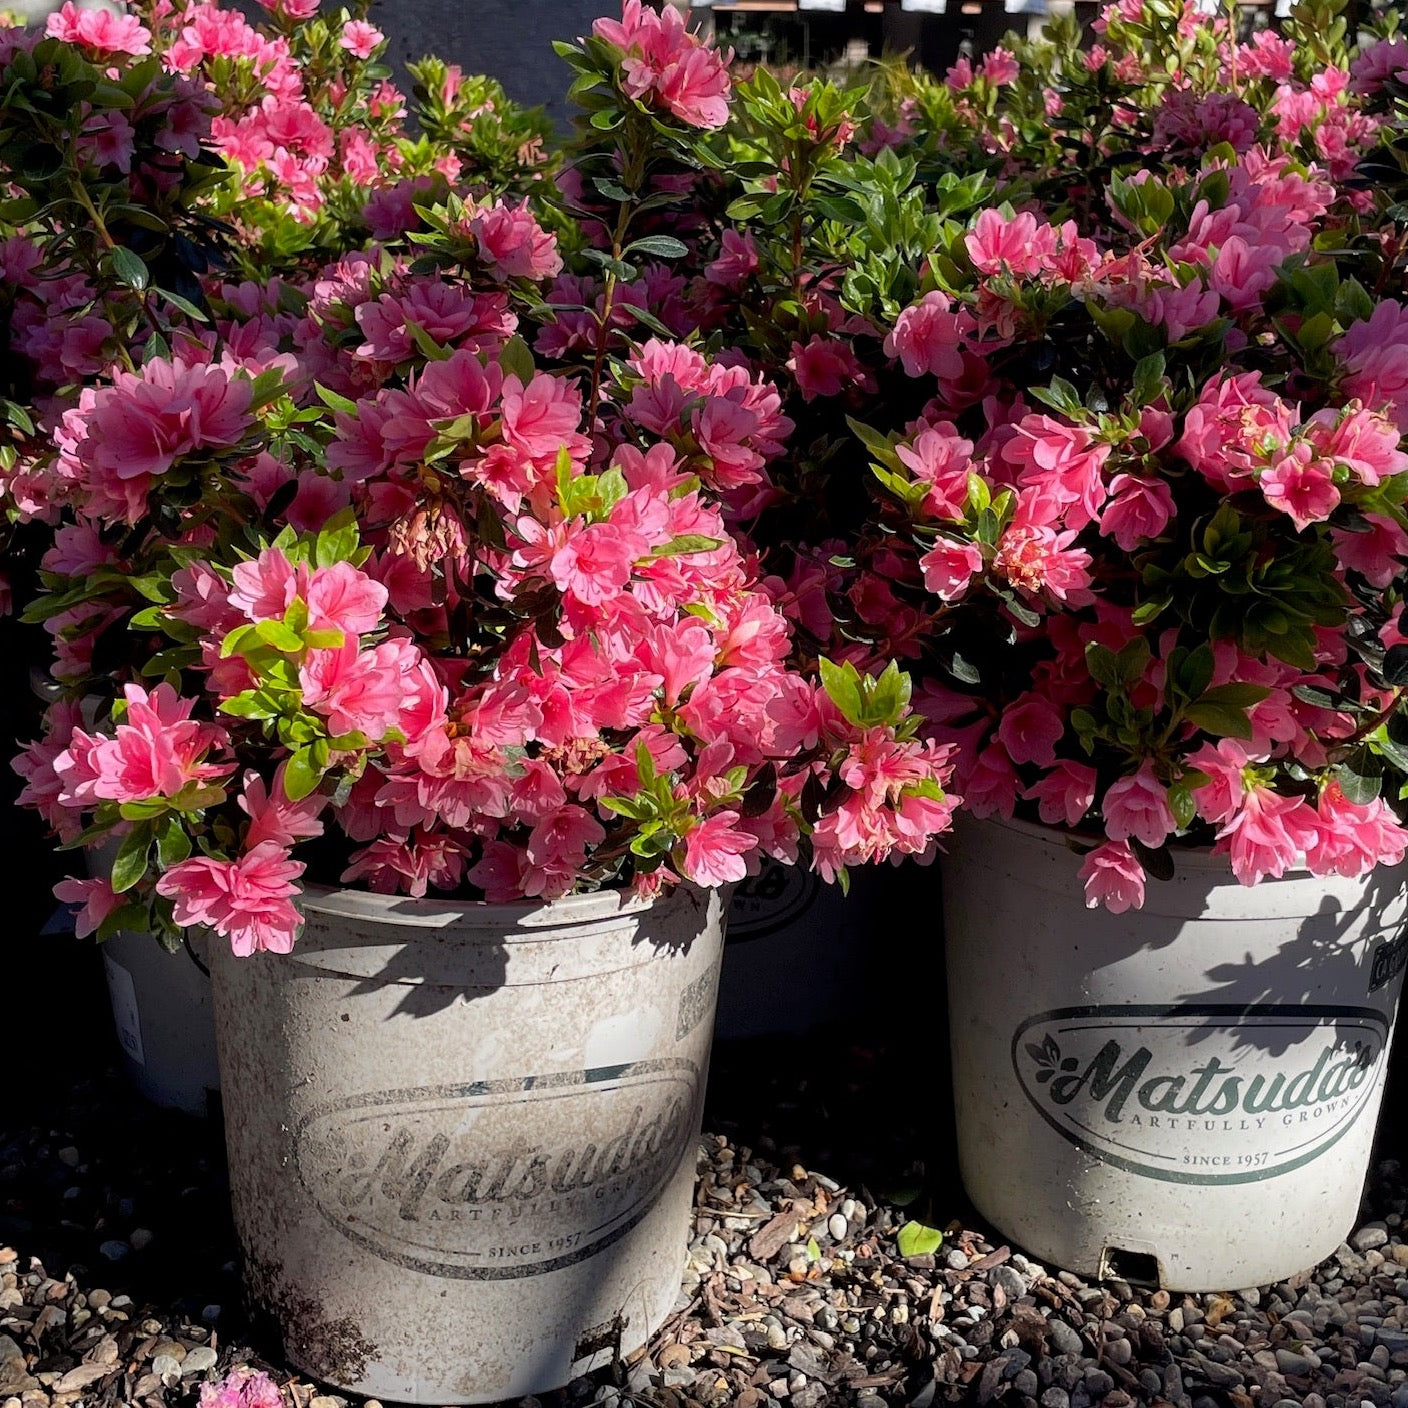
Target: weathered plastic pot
[
  {"x": 796, "y": 950},
  {"x": 1184, "y": 1094},
  {"x": 462, "y": 1136},
  {"x": 161, "y": 1012}
]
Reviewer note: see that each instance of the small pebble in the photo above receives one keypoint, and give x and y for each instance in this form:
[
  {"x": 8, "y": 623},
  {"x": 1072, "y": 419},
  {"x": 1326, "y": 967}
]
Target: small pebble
[
  {"x": 1369, "y": 1236},
  {"x": 200, "y": 1359}
]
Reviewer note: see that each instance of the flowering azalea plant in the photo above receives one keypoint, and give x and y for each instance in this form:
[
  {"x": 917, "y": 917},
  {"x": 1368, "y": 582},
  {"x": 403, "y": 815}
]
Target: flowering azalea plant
[
  {"x": 1114, "y": 327},
  {"x": 408, "y": 568},
  {"x": 1145, "y": 539}
]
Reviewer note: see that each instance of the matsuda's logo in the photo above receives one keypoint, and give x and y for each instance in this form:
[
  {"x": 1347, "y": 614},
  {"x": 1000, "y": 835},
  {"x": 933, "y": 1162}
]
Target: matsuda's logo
[
  {"x": 1202, "y": 1094},
  {"x": 495, "y": 1180}
]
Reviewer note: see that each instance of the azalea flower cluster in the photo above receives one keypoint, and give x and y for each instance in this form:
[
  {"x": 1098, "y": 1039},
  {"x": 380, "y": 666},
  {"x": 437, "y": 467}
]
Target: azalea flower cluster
[{"x": 368, "y": 575}]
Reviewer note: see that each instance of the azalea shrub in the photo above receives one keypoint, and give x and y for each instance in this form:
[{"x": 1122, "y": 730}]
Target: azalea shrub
[
  {"x": 1093, "y": 352},
  {"x": 717, "y": 485},
  {"x": 403, "y": 569},
  {"x": 1146, "y": 539}
]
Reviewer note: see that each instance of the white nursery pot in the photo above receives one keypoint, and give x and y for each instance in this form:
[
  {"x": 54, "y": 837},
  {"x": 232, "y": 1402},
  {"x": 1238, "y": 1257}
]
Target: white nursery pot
[
  {"x": 1184, "y": 1094},
  {"x": 462, "y": 1137},
  {"x": 161, "y": 1011}
]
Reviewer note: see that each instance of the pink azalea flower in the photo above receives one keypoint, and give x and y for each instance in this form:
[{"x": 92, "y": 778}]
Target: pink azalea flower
[
  {"x": 594, "y": 563},
  {"x": 97, "y": 898},
  {"x": 1269, "y": 835},
  {"x": 948, "y": 568},
  {"x": 556, "y": 848},
  {"x": 1064, "y": 795},
  {"x": 100, "y": 31},
  {"x": 991, "y": 788},
  {"x": 515, "y": 244},
  {"x": 264, "y": 588},
  {"x": 242, "y": 1387},
  {"x": 360, "y": 38},
  {"x": 927, "y": 337},
  {"x": 1301, "y": 487},
  {"x": 827, "y": 366},
  {"x": 1016, "y": 246},
  {"x": 357, "y": 691},
  {"x": 1137, "y": 512},
  {"x": 248, "y": 901},
  {"x": 1234, "y": 425},
  {"x": 1113, "y": 878},
  {"x": 714, "y": 850},
  {"x": 1352, "y": 838},
  {"x": 1062, "y": 464},
  {"x": 737, "y": 261},
  {"x": 1030, "y": 729},
  {"x": 272, "y": 817},
  {"x": 343, "y": 598},
  {"x": 499, "y": 872},
  {"x": 396, "y": 864},
  {"x": 1138, "y": 806},
  {"x": 43, "y": 786},
  {"x": 1379, "y": 553},
  {"x": 542, "y": 418},
  {"x": 942, "y": 459},
  {"x": 1364, "y": 441},
  {"x": 660, "y": 58},
  {"x": 1219, "y": 798},
  {"x": 1375, "y": 357},
  {"x": 158, "y": 750},
  {"x": 1039, "y": 559}
]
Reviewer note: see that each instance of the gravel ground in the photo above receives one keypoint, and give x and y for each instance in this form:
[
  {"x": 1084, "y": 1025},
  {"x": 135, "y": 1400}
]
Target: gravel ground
[{"x": 118, "y": 1282}]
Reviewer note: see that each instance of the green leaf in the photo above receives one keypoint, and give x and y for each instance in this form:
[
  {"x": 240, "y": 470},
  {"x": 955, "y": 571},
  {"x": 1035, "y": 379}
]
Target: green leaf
[
  {"x": 1221, "y": 720},
  {"x": 1149, "y": 379},
  {"x": 250, "y": 704},
  {"x": 19, "y": 417},
  {"x": 1182, "y": 805},
  {"x": 878, "y": 444},
  {"x": 278, "y": 635},
  {"x": 338, "y": 539},
  {"x": 684, "y": 543},
  {"x": 842, "y": 685},
  {"x": 517, "y": 360},
  {"x": 334, "y": 400},
  {"x": 918, "y": 1239},
  {"x": 301, "y": 776},
  {"x": 129, "y": 268},
  {"x": 1238, "y": 696},
  {"x": 184, "y": 304},
  {"x": 130, "y": 863},
  {"x": 173, "y": 845},
  {"x": 744, "y": 208},
  {"x": 661, "y": 246}
]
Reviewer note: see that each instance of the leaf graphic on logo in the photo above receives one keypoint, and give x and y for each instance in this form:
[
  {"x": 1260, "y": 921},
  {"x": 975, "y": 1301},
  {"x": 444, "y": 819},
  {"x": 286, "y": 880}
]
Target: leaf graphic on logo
[
  {"x": 1053, "y": 1052},
  {"x": 1047, "y": 1055}
]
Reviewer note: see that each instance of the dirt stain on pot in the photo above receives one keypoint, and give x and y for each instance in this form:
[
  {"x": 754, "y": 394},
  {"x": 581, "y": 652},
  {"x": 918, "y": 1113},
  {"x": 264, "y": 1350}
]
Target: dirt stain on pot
[{"x": 334, "y": 1350}]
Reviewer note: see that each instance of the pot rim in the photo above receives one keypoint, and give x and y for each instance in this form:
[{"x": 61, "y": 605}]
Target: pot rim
[
  {"x": 1198, "y": 857},
  {"x": 434, "y": 912}
]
